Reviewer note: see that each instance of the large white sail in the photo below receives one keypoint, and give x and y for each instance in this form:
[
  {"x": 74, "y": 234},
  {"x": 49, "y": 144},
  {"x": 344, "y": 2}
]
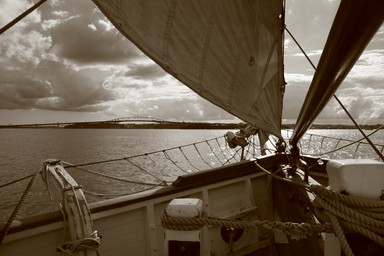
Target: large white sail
[{"x": 229, "y": 52}]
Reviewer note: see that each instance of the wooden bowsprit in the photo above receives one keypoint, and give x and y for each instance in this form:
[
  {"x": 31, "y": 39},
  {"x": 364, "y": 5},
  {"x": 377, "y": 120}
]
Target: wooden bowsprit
[{"x": 64, "y": 190}]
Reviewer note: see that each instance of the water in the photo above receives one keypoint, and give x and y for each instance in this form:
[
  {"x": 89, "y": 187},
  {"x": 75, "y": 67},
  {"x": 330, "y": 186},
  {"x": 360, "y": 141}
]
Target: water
[{"x": 24, "y": 150}]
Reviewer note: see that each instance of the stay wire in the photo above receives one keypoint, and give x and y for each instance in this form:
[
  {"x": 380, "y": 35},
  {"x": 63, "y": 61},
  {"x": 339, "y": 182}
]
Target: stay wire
[
  {"x": 14, "y": 181},
  {"x": 338, "y": 100}
]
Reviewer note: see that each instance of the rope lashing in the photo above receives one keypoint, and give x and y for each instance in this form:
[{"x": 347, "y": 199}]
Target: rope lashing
[
  {"x": 91, "y": 242},
  {"x": 294, "y": 230}
]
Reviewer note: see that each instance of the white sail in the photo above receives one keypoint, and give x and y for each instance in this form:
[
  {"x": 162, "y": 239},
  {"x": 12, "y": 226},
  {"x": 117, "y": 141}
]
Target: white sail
[{"x": 229, "y": 52}]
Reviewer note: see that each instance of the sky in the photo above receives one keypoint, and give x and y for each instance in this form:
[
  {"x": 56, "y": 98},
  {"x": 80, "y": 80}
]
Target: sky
[{"x": 66, "y": 62}]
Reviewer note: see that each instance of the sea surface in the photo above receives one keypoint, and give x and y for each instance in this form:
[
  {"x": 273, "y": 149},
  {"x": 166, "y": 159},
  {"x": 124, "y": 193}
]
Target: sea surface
[{"x": 23, "y": 151}]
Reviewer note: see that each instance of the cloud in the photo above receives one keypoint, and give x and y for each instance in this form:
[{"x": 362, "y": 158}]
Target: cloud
[
  {"x": 58, "y": 87},
  {"x": 82, "y": 42},
  {"x": 151, "y": 71},
  {"x": 11, "y": 9},
  {"x": 66, "y": 57}
]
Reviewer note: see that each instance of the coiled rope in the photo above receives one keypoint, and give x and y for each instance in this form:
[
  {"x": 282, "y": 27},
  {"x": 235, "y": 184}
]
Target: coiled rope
[
  {"x": 346, "y": 213},
  {"x": 91, "y": 242}
]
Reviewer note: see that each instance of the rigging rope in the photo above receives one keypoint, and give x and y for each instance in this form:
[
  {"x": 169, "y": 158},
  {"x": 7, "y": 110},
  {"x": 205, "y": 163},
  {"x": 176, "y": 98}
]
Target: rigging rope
[
  {"x": 340, "y": 103},
  {"x": 114, "y": 177},
  {"x": 7, "y": 226},
  {"x": 15, "y": 181},
  {"x": 342, "y": 147}
]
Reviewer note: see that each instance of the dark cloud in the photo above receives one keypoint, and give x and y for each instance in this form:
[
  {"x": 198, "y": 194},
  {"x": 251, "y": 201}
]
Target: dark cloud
[
  {"x": 80, "y": 33},
  {"x": 58, "y": 87},
  {"x": 149, "y": 72},
  {"x": 77, "y": 89},
  {"x": 75, "y": 41}
]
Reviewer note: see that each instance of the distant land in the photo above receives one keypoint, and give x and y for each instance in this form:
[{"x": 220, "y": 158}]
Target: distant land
[{"x": 173, "y": 125}]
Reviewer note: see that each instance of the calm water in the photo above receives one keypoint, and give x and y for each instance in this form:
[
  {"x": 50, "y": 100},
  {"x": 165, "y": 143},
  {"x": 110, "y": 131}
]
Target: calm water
[{"x": 24, "y": 150}]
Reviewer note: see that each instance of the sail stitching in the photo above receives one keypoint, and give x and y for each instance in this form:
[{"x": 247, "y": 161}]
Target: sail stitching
[
  {"x": 168, "y": 30},
  {"x": 207, "y": 37}
]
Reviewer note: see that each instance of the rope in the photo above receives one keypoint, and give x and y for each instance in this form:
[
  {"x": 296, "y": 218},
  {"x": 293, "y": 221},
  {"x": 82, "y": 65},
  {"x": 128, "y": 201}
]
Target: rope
[
  {"x": 201, "y": 157},
  {"x": 233, "y": 156},
  {"x": 213, "y": 152},
  {"x": 7, "y": 226},
  {"x": 14, "y": 181},
  {"x": 166, "y": 155},
  {"x": 340, "y": 148},
  {"x": 116, "y": 178},
  {"x": 362, "y": 216},
  {"x": 340, "y": 103},
  {"x": 186, "y": 158},
  {"x": 222, "y": 152},
  {"x": 143, "y": 170},
  {"x": 91, "y": 242},
  {"x": 294, "y": 230},
  {"x": 146, "y": 154}
]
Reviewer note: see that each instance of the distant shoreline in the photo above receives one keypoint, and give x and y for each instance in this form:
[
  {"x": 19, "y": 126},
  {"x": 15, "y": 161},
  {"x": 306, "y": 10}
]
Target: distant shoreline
[{"x": 175, "y": 125}]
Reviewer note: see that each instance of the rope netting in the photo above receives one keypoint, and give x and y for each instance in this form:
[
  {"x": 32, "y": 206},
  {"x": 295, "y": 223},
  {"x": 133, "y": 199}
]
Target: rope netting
[
  {"x": 156, "y": 169},
  {"x": 132, "y": 174},
  {"x": 338, "y": 148},
  {"x": 160, "y": 168}
]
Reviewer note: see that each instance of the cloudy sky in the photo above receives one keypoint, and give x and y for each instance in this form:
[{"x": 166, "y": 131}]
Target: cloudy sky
[{"x": 66, "y": 62}]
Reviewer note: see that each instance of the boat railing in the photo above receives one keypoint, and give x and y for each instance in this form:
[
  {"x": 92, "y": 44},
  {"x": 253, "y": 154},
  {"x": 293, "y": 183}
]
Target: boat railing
[
  {"x": 141, "y": 172},
  {"x": 110, "y": 178}
]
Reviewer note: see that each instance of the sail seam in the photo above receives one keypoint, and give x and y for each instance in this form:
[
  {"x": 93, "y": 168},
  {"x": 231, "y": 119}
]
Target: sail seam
[
  {"x": 207, "y": 40},
  {"x": 168, "y": 30},
  {"x": 236, "y": 69}
]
